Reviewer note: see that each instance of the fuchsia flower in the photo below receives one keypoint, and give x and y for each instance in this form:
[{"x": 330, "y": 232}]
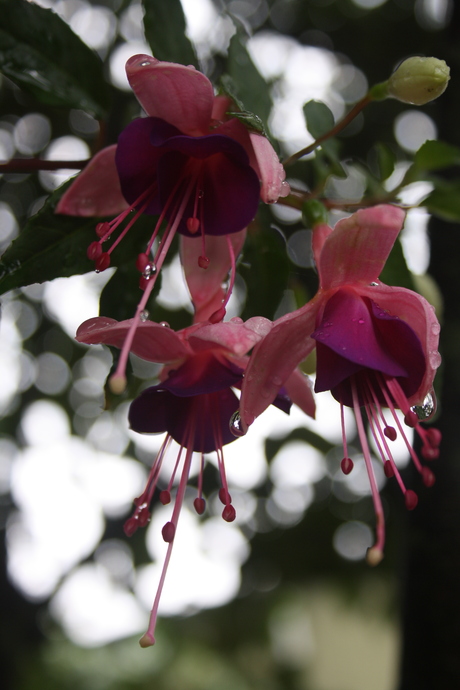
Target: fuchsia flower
[
  {"x": 193, "y": 404},
  {"x": 376, "y": 347},
  {"x": 201, "y": 171}
]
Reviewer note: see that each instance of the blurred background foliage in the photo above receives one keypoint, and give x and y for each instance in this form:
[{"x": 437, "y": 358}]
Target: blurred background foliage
[{"x": 307, "y": 614}]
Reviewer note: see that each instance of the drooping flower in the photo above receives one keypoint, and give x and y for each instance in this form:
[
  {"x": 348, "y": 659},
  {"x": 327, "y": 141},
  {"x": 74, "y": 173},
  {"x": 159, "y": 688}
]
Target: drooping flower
[
  {"x": 199, "y": 170},
  {"x": 376, "y": 347},
  {"x": 193, "y": 404}
]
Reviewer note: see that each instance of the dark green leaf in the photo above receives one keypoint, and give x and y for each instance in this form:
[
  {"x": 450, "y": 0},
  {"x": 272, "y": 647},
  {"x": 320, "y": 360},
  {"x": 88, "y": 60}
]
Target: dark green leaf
[
  {"x": 444, "y": 201},
  {"x": 386, "y": 160},
  {"x": 318, "y": 117},
  {"x": 433, "y": 155},
  {"x": 40, "y": 53},
  {"x": 54, "y": 246},
  {"x": 251, "y": 91},
  {"x": 265, "y": 268},
  {"x": 164, "y": 24},
  {"x": 395, "y": 271}
]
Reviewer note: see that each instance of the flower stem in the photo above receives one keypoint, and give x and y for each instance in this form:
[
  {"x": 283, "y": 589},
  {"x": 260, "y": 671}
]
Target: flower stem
[{"x": 26, "y": 165}]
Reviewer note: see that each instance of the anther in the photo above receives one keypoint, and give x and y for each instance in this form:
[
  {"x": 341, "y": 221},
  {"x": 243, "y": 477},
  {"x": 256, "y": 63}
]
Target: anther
[
  {"x": 102, "y": 262},
  {"x": 141, "y": 262},
  {"x": 388, "y": 469},
  {"x": 346, "y": 465},
  {"x": 165, "y": 497},
  {"x": 168, "y": 532},
  {"x": 200, "y": 505},
  {"x": 374, "y": 556},
  {"x": 410, "y": 499},
  {"x": 102, "y": 229},
  {"x": 411, "y": 419},
  {"x": 193, "y": 225},
  {"x": 428, "y": 477},
  {"x": 229, "y": 513},
  {"x": 203, "y": 261},
  {"x": 130, "y": 526},
  {"x": 94, "y": 251},
  {"x": 390, "y": 432},
  {"x": 218, "y": 315}
]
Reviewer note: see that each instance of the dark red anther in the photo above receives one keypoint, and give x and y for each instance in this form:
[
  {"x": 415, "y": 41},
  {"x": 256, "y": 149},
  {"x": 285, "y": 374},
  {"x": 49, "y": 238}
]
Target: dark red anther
[
  {"x": 141, "y": 262},
  {"x": 388, "y": 469},
  {"x": 102, "y": 229},
  {"x": 430, "y": 453},
  {"x": 94, "y": 251},
  {"x": 143, "y": 282},
  {"x": 199, "y": 505},
  {"x": 168, "y": 532},
  {"x": 224, "y": 496},
  {"x": 165, "y": 497},
  {"x": 144, "y": 516},
  {"x": 411, "y": 419},
  {"x": 428, "y": 477},
  {"x": 434, "y": 437},
  {"x": 102, "y": 262},
  {"x": 193, "y": 225},
  {"x": 390, "y": 432},
  {"x": 229, "y": 513},
  {"x": 410, "y": 499},
  {"x": 130, "y": 526},
  {"x": 346, "y": 465},
  {"x": 203, "y": 261}
]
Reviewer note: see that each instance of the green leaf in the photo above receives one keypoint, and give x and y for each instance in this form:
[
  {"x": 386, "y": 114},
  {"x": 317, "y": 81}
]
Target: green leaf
[
  {"x": 395, "y": 271},
  {"x": 386, "y": 160},
  {"x": 250, "y": 120},
  {"x": 248, "y": 86},
  {"x": 54, "y": 246},
  {"x": 265, "y": 268},
  {"x": 318, "y": 117},
  {"x": 434, "y": 155},
  {"x": 444, "y": 201},
  {"x": 164, "y": 24},
  {"x": 41, "y": 54},
  {"x": 272, "y": 445}
]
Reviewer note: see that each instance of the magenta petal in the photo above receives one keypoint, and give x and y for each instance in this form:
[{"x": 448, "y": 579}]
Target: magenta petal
[
  {"x": 202, "y": 374},
  {"x": 234, "y": 336},
  {"x": 198, "y": 422},
  {"x": 136, "y": 161},
  {"x": 271, "y": 172}
]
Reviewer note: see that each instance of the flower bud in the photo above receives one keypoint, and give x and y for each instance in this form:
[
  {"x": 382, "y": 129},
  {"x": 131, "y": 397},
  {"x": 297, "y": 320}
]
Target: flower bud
[{"x": 419, "y": 80}]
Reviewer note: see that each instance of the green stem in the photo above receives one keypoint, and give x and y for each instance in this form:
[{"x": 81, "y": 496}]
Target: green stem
[
  {"x": 349, "y": 117},
  {"x": 27, "y": 165}
]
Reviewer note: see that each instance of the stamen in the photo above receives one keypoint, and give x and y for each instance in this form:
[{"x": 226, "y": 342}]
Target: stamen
[
  {"x": 347, "y": 463},
  {"x": 203, "y": 262},
  {"x": 377, "y": 549}
]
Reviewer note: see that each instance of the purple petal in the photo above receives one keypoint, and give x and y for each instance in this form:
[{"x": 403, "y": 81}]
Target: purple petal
[{"x": 200, "y": 374}]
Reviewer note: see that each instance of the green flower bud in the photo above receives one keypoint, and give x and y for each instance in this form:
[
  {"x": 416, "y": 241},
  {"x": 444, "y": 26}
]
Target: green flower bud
[{"x": 419, "y": 80}]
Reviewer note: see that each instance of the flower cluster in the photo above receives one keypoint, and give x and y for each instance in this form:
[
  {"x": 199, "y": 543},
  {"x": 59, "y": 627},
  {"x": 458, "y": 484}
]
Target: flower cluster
[{"x": 201, "y": 173}]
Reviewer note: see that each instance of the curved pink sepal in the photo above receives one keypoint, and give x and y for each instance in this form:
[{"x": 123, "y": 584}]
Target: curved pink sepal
[
  {"x": 152, "y": 342},
  {"x": 271, "y": 173},
  {"x": 96, "y": 191},
  {"x": 234, "y": 336},
  {"x": 205, "y": 284},
  {"x": 299, "y": 388},
  {"x": 356, "y": 250},
  {"x": 177, "y": 94},
  {"x": 274, "y": 360}
]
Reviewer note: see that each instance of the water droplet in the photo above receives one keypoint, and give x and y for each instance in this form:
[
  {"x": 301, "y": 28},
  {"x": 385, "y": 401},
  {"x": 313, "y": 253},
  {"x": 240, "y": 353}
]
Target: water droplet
[
  {"x": 276, "y": 381},
  {"x": 149, "y": 271},
  {"x": 200, "y": 194},
  {"x": 361, "y": 321},
  {"x": 435, "y": 359},
  {"x": 373, "y": 284},
  {"x": 427, "y": 409},
  {"x": 144, "y": 315},
  {"x": 435, "y": 329},
  {"x": 144, "y": 63},
  {"x": 165, "y": 324},
  {"x": 236, "y": 424}
]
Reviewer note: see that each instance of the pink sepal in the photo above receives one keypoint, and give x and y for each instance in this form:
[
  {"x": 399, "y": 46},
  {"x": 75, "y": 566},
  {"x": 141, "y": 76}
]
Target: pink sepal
[
  {"x": 205, "y": 285},
  {"x": 235, "y": 336},
  {"x": 271, "y": 173},
  {"x": 356, "y": 250},
  {"x": 152, "y": 342},
  {"x": 299, "y": 388},
  {"x": 177, "y": 94},
  {"x": 96, "y": 191},
  {"x": 274, "y": 359}
]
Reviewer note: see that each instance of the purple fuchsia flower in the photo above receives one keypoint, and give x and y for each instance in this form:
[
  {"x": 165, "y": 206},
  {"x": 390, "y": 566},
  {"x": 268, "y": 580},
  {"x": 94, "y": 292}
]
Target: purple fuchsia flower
[
  {"x": 376, "y": 348},
  {"x": 193, "y": 404},
  {"x": 199, "y": 170}
]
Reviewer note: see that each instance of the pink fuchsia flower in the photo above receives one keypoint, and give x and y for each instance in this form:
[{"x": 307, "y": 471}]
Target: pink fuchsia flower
[
  {"x": 193, "y": 404},
  {"x": 189, "y": 163},
  {"x": 376, "y": 347}
]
